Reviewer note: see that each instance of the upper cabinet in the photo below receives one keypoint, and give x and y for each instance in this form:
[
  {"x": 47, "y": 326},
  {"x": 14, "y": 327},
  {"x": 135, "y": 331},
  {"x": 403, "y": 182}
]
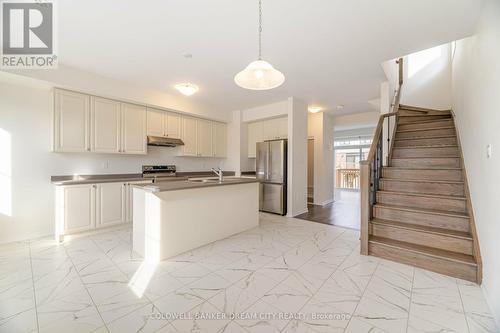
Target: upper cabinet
[
  {"x": 71, "y": 122},
  {"x": 163, "y": 123},
  {"x": 219, "y": 140},
  {"x": 189, "y": 136},
  {"x": 105, "y": 120},
  {"x": 204, "y": 138},
  {"x": 84, "y": 123},
  {"x": 270, "y": 129},
  {"x": 134, "y": 125}
]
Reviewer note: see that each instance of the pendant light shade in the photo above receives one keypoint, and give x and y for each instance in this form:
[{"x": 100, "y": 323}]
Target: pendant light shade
[{"x": 259, "y": 74}]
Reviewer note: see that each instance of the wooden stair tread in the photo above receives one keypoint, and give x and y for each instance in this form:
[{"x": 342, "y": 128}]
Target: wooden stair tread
[
  {"x": 425, "y": 121},
  {"x": 425, "y": 250},
  {"x": 427, "y": 229},
  {"x": 436, "y": 196},
  {"x": 426, "y": 137},
  {"x": 425, "y": 129},
  {"x": 399, "y": 168},
  {"x": 419, "y": 157},
  {"x": 418, "y": 108},
  {"x": 423, "y": 180},
  {"x": 423, "y": 211},
  {"x": 428, "y": 146}
]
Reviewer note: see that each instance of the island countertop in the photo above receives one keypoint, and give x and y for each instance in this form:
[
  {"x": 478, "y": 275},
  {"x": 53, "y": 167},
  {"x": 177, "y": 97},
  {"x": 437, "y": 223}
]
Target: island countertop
[{"x": 193, "y": 184}]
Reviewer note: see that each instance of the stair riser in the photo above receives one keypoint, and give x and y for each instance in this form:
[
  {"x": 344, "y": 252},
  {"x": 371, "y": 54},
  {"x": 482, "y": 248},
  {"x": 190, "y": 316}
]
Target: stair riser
[
  {"x": 412, "y": 201},
  {"x": 420, "y": 218},
  {"x": 442, "y": 242},
  {"x": 455, "y": 189},
  {"x": 453, "y": 175},
  {"x": 425, "y": 142},
  {"x": 439, "y": 265},
  {"x": 447, "y": 162},
  {"x": 433, "y": 124},
  {"x": 413, "y": 111},
  {"x": 418, "y": 119},
  {"x": 426, "y": 152},
  {"x": 425, "y": 134}
]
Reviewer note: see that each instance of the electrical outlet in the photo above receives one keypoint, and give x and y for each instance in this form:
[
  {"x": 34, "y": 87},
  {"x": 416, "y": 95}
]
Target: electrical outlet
[{"x": 488, "y": 151}]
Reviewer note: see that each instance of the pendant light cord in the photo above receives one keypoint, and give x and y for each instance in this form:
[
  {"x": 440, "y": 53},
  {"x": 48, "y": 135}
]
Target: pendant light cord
[{"x": 260, "y": 29}]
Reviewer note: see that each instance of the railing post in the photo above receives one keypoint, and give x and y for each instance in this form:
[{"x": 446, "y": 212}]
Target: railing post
[{"x": 365, "y": 205}]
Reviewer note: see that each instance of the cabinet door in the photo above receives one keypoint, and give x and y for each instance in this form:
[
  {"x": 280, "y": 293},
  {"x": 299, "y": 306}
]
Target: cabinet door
[
  {"x": 255, "y": 134},
  {"x": 79, "y": 208},
  {"x": 134, "y": 118},
  {"x": 204, "y": 138},
  {"x": 156, "y": 122},
  {"x": 173, "y": 125},
  {"x": 110, "y": 204},
  {"x": 282, "y": 127},
  {"x": 105, "y": 125},
  {"x": 71, "y": 121},
  {"x": 189, "y": 136},
  {"x": 219, "y": 140},
  {"x": 271, "y": 129}
]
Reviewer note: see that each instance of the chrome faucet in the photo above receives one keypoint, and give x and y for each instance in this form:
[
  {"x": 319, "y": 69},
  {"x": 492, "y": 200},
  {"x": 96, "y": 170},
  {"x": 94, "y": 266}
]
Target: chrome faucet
[{"x": 218, "y": 172}]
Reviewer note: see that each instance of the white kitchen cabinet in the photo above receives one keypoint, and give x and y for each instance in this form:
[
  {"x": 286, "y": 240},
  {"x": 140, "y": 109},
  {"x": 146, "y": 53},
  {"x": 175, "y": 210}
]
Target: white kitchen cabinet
[
  {"x": 165, "y": 124},
  {"x": 270, "y": 129},
  {"x": 219, "y": 139},
  {"x": 189, "y": 136},
  {"x": 105, "y": 117},
  {"x": 110, "y": 204},
  {"x": 156, "y": 123},
  {"x": 172, "y": 125},
  {"x": 79, "y": 206},
  {"x": 134, "y": 129},
  {"x": 282, "y": 127},
  {"x": 71, "y": 121},
  {"x": 204, "y": 138}
]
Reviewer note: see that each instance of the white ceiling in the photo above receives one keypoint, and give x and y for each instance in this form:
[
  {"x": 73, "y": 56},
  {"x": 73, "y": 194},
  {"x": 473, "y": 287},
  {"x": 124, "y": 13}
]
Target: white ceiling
[{"x": 329, "y": 50}]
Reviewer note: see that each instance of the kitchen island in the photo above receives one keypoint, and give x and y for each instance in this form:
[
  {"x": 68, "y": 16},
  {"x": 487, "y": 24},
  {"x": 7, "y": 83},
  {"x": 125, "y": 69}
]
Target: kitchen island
[{"x": 174, "y": 217}]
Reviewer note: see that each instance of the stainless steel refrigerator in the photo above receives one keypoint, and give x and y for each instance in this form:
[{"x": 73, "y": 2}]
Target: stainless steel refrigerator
[{"x": 271, "y": 170}]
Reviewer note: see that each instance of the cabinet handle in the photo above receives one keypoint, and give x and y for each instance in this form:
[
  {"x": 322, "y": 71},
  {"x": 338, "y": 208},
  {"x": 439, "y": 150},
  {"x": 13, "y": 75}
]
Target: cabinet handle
[{"x": 88, "y": 149}]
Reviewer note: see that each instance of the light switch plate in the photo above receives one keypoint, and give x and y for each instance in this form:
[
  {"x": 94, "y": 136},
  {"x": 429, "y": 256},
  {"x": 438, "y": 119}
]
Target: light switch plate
[{"x": 488, "y": 151}]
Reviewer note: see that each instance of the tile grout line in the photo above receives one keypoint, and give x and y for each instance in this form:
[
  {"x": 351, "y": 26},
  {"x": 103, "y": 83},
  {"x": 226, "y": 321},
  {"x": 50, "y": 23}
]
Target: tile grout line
[
  {"x": 315, "y": 293},
  {"x": 462, "y": 303},
  {"x": 411, "y": 297},
  {"x": 34, "y": 292},
  {"x": 84, "y": 286},
  {"x": 363, "y": 294}
]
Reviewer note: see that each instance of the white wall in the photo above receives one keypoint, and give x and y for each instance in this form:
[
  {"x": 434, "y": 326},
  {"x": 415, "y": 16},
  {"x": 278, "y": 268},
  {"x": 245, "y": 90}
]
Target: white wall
[
  {"x": 297, "y": 157},
  {"x": 355, "y": 121},
  {"x": 366, "y": 131},
  {"x": 265, "y": 111},
  {"x": 476, "y": 103},
  {"x": 427, "y": 77},
  {"x": 26, "y": 162},
  {"x": 320, "y": 128}
]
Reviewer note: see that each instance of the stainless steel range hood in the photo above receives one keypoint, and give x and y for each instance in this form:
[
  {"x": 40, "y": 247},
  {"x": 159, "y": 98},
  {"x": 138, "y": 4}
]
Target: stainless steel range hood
[{"x": 164, "y": 142}]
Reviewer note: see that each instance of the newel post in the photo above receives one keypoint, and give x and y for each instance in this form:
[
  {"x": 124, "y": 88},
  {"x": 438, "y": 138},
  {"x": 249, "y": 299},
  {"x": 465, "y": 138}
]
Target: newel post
[{"x": 365, "y": 204}]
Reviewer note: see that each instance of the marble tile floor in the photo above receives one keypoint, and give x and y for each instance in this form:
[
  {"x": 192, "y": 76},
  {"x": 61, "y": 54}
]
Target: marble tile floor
[{"x": 288, "y": 275}]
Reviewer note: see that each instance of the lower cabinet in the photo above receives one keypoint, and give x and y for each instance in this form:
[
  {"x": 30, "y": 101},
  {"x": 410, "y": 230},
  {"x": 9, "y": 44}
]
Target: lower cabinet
[
  {"x": 78, "y": 208},
  {"x": 92, "y": 206},
  {"x": 110, "y": 204}
]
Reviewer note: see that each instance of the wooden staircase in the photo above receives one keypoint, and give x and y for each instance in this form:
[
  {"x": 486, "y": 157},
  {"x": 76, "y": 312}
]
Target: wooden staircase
[{"x": 421, "y": 213}]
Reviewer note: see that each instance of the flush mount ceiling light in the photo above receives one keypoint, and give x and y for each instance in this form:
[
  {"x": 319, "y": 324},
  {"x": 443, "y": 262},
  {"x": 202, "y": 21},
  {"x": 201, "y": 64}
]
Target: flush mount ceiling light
[
  {"x": 187, "y": 89},
  {"x": 340, "y": 107},
  {"x": 259, "y": 74},
  {"x": 314, "y": 109}
]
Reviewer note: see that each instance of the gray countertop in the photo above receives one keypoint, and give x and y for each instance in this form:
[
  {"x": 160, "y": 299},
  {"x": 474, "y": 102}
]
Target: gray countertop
[
  {"x": 127, "y": 177},
  {"x": 192, "y": 184}
]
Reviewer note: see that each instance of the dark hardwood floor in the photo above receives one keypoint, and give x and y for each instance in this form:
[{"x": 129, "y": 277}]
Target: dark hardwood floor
[{"x": 344, "y": 212}]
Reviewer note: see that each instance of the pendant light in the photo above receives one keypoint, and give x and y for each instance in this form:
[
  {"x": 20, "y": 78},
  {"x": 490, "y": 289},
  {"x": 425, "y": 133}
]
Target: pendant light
[{"x": 259, "y": 74}]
